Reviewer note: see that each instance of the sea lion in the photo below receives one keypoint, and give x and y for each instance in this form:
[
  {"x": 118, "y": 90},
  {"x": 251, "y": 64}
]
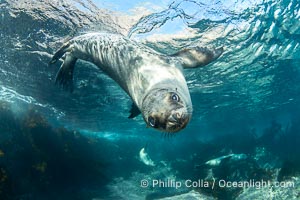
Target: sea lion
[
  {"x": 154, "y": 81},
  {"x": 145, "y": 158}
]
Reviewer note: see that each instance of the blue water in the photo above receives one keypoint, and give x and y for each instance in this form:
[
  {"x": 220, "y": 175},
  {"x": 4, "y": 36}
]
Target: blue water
[{"x": 81, "y": 145}]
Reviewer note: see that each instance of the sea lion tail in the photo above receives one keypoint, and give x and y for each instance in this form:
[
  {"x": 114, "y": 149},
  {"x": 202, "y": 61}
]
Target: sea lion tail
[
  {"x": 59, "y": 53},
  {"x": 64, "y": 76}
]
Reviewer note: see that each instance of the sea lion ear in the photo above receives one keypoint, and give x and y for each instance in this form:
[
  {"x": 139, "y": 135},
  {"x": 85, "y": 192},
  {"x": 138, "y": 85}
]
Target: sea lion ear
[
  {"x": 134, "y": 111},
  {"x": 197, "y": 56}
]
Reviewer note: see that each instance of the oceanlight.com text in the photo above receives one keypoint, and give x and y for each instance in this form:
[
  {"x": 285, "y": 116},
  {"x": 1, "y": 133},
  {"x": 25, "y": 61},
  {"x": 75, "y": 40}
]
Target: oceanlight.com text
[{"x": 172, "y": 183}]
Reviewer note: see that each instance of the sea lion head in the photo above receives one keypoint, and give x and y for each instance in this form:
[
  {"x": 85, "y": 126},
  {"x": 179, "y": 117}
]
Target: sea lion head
[{"x": 167, "y": 110}]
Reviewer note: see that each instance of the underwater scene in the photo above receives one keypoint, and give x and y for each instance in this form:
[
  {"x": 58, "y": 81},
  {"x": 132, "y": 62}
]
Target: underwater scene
[{"x": 88, "y": 137}]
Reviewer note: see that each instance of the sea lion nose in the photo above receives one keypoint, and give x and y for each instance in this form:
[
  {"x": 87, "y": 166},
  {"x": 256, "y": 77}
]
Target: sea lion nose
[
  {"x": 177, "y": 116},
  {"x": 177, "y": 121}
]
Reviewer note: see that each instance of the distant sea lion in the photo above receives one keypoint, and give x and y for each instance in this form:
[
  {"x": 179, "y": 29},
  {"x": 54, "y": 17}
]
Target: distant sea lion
[
  {"x": 154, "y": 81},
  {"x": 144, "y": 157}
]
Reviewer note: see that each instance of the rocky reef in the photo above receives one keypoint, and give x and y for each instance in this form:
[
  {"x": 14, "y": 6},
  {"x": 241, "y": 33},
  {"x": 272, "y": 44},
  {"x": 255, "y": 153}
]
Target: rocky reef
[{"x": 38, "y": 161}]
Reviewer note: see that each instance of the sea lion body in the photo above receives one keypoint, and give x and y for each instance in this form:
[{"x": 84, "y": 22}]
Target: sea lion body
[{"x": 155, "y": 82}]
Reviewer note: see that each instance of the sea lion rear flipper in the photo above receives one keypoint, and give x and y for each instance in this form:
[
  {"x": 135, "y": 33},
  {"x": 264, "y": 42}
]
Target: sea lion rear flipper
[
  {"x": 64, "y": 75},
  {"x": 197, "y": 56},
  {"x": 60, "y": 53},
  {"x": 134, "y": 111}
]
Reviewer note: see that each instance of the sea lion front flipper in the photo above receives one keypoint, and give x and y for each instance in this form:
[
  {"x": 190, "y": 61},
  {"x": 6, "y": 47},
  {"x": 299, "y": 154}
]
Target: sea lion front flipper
[
  {"x": 134, "y": 111},
  {"x": 197, "y": 56},
  {"x": 64, "y": 75}
]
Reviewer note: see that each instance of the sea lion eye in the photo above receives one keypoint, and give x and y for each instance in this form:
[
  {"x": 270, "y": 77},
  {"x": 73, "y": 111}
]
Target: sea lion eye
[
  {"x": 151, "y": 121},
  {"x": 175, "y": 97}
]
